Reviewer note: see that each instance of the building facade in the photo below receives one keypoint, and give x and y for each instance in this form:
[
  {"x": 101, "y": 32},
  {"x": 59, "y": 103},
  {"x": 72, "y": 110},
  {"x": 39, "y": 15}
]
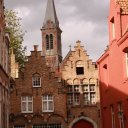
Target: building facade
[
  {"x": 36, "y": 99},
  {"x": 54, "y": 93},
  {"x": 81, "y": 80},
  {"x": 113, "y": 69},
  {"x": 4, "y": 70}
]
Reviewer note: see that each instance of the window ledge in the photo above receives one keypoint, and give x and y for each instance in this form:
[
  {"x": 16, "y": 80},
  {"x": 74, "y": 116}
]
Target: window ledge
[
  {"x": 47, "y": 111},
  {"x": 75, "y": 106},
  {"x": 26, "y": 112},
  {"x": 36, "y": 86},
  {"x": 90, "y": 105}
]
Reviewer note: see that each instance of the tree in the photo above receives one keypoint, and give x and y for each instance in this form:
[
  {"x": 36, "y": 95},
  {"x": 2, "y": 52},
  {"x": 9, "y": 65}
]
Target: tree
[{"x": 13, "y": 26}]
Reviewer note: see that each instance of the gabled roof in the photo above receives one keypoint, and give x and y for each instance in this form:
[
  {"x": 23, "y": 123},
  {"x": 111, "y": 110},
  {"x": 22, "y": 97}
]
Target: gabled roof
[
  {"x": 66, "y": 57},
  {"x": 124, "y": 6},
  {"x": 51, "y": 13}
]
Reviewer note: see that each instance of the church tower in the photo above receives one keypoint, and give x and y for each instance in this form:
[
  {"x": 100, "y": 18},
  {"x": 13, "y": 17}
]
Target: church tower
[{"x": 51, "y": 37}]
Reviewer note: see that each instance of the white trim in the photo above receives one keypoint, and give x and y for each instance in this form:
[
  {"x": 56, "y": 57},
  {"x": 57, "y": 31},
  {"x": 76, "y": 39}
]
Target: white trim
[
  {"x": 34, "y": 79},
  {"x": 47, "y": 100},
  {"x": 27, "y": 101},
  {"x": 83, "y": 118}
]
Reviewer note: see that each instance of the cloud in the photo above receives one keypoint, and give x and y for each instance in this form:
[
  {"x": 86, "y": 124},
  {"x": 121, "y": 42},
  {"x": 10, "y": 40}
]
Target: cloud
[{"x": 79, "y": 20}]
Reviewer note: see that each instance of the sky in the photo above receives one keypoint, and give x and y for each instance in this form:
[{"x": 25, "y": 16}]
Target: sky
[{"x": 84, "y": 20}]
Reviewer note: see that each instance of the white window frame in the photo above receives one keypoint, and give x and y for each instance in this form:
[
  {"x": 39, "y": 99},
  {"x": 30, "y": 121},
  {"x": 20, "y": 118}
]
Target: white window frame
[
  {"x": 26, "y": 101},
  {"x": 88, "y": 91},
  {"x": 73, "y": 95},
  {"x": 47, "y": 100},
  {"x": 35, "y": 80}
]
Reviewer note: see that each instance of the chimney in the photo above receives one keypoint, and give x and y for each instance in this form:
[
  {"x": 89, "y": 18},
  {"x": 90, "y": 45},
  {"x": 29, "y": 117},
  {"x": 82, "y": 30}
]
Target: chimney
[{"x": 36, "y": 48}]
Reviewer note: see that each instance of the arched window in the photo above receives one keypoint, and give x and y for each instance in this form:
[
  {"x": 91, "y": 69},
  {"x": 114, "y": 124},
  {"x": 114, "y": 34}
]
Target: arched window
[
  {"x": 36, "y": 80},
  {"x": 47, "y": 42},
  {"x": 51, "y": 41},
  {"x": 76, "y": 81}
]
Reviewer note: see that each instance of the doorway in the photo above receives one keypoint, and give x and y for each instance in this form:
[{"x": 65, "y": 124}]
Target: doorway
[{"x": 82, "y": 124}]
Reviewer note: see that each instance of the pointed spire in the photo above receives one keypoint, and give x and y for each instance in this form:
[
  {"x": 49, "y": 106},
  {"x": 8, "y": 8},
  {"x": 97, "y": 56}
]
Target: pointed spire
[{"x": 51, "y": 13}]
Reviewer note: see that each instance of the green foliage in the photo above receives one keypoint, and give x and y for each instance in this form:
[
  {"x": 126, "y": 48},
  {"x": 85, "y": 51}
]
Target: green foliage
[{"x": 13, "y": 26}]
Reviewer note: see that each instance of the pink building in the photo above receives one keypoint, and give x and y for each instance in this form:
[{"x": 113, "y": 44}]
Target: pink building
[{"x": 113, "y": 69}]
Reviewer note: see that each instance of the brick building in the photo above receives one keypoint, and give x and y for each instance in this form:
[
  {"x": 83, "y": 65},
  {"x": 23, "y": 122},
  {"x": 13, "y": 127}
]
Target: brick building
[
  {"x": 36, "y": 98},
  {"x": 4, "y": 70},
  {"x": 51, "y": 93},
  {"x": 113, "y": 69},
  {"x": 80, "y": 75}
]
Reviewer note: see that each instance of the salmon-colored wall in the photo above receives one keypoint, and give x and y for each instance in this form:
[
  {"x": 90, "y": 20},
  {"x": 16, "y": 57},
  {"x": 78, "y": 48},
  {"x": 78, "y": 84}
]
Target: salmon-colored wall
[{"x": 112, "y": 71}]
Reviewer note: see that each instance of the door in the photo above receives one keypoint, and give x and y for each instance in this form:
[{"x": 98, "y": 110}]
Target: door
[{"x": 82, "y": 124}]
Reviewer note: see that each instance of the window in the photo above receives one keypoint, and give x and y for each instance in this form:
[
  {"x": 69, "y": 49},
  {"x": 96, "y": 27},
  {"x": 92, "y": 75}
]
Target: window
[
  {"x": 125, "y": 50},
  {"x": 121, "y": 115},
  {"x": 36, "y": 80},
  {"x": 19, "y": 126},
  {"x": 51, "y": 41},
  {"x": 112, "y": 28},
  {"x": 73, "y": 95},
  {"x": 47, "y": 42},
  {"x": 113, "y": 116},
  {"x": 79, "y": 70},
  {"x": 47, "y": 126},
  {"x": 47, "y": 103},
  {"x": 26, "y": 104},
  {"x": 79, "y": 67},
  {"x": 89, "y": 94},
  {"x": 105, "y": 74}
]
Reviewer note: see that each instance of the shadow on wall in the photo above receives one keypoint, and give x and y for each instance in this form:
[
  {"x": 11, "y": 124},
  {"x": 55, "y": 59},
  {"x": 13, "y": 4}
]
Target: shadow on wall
[{"x": 114, "y": 106}]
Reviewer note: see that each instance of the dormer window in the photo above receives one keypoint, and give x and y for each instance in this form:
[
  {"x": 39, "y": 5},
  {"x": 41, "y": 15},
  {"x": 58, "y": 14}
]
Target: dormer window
[{"x": 36, "y": 80}]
